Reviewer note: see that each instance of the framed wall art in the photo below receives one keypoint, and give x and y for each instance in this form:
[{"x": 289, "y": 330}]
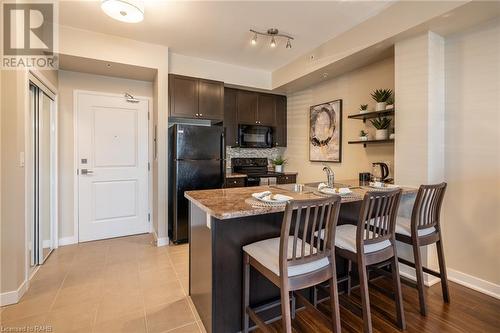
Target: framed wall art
[{"x": 325, "y": 132}]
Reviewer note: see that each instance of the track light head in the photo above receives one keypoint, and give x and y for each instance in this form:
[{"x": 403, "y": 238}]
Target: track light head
[
  {"x": 273, "y": 42},
  {"x": 288, "y": 44},
  {"x": 254, "y": 40}
]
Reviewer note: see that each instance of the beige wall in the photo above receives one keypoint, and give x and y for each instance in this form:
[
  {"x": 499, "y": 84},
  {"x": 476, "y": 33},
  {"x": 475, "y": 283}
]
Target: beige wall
[
  {"x": 13, "y": 251},
  {"x": 353, "y": 88},
  {"x": 472, "y": 152},
  {"x": 68, "y": 83}
]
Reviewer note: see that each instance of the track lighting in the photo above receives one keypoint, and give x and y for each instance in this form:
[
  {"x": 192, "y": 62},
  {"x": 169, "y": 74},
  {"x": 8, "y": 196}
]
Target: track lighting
[
  {"x": 274, "y": 34},
  {"x": 254, "y": 40},
  {"x": 273, "y": 42}
]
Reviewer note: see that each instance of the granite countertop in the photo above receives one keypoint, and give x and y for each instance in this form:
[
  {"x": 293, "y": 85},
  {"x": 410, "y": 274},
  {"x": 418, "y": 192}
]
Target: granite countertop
[{"x": 230, "y": 202}]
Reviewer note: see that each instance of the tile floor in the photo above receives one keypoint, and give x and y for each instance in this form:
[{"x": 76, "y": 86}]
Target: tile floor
[{"x": 118, "y": 285}]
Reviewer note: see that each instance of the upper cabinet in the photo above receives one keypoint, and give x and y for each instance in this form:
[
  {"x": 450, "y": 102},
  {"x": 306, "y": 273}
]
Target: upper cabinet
[
  {"x": 195, "y": 98},
  {"x": 253, "y": 108}
]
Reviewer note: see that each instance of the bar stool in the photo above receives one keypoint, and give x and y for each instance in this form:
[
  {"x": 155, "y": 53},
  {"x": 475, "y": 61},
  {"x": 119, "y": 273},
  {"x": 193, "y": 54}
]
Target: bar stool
[
  {"x": 421, "y": 230},
  {"x": 292, "y": 263},
  {"x": 371, "y": 242}
]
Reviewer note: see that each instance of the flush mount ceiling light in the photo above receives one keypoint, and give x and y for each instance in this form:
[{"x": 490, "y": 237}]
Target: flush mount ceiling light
[
  {"x": 274, "y": 34},
  {"x": 130, "y": 11}
]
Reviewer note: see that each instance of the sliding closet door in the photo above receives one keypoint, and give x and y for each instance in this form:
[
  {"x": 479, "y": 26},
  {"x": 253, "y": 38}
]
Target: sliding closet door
[
  {"x": 45, "y": 171},
  {"x": 43, "y": 143}
]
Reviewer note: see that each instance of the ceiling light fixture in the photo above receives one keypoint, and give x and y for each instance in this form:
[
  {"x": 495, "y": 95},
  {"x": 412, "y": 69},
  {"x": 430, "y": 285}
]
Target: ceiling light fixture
[
  {"x": 129, "y": 11},
  {"x": 274, "y": 34}
]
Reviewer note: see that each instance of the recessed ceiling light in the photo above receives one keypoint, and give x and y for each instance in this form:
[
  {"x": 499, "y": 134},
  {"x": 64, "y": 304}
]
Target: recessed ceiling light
[{"x": 129, "y": 11}]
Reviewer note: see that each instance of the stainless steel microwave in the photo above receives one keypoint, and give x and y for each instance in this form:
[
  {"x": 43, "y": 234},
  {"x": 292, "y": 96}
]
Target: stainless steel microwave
[{"x": 251, "y": 136}]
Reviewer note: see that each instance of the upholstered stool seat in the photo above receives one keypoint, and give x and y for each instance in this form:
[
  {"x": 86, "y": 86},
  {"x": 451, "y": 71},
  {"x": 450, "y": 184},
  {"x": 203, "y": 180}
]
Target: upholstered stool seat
[
  {"x": 403, "y": 227},
  {"x": 345, "y": 238},
  {"x": 267, "y": 253}
]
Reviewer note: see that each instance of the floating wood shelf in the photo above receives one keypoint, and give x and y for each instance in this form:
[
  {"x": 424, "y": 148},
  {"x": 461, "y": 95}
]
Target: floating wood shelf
[
  {"x": 369, "y": 142},
  {"x": 373, "y": 114}
]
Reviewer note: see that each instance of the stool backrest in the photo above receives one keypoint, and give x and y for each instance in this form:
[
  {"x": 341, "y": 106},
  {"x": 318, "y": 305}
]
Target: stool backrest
[
  {"x": 377, "y": 217},
  {"x": 427, "y": 208},
  {"x": 304, "y": 220}
]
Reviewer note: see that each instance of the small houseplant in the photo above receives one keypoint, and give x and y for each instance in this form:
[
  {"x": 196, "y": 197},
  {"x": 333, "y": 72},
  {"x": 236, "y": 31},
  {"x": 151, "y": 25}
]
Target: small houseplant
[
  {"x": 381, "y": 125},
  {"x": 390, "y": 103},
  {"x": 363, "y": 108},
  {"x": 279, "y": 163},
  {"x": 381, "y": 96},
  {"x": 363, "y": 136}
]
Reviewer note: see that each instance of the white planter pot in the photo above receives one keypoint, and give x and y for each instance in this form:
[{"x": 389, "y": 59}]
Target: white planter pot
[
  {"x": 363, "y": 138},
  {"x": 380, "y": 106},
  {"x": 381, "y": 134},
  {"x": 392, "y": 136},
  {"x": 389, "y": 107},
  {"x": 278, "y": 168},
  {"x": 363, "y": 111}
]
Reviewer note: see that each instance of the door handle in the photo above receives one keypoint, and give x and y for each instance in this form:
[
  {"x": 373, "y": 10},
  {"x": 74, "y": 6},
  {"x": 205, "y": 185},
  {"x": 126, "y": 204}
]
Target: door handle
[{"x": 87, "y": 171}]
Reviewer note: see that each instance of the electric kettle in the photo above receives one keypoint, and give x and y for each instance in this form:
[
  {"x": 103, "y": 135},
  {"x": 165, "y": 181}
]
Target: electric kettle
[{"x": 380, "y": 171}]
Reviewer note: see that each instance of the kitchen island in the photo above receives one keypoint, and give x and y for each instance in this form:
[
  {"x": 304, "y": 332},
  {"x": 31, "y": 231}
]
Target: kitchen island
[{"x": 222, "y": 221}]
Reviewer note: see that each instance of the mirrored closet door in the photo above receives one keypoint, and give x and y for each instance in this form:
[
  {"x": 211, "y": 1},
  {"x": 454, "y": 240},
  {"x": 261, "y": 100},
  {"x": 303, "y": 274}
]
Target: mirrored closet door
[{"x": 43, "y": 177}]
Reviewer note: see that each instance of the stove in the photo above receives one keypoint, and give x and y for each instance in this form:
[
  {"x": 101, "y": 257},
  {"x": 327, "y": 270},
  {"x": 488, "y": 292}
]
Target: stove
[{"x": 256, "y": 171}]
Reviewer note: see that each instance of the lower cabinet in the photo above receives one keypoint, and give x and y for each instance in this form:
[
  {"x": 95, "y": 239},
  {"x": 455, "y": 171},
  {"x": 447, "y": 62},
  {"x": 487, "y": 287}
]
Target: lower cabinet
[
  {"x": 234, "y": 182},
  {"x": 286, "y": 179}
]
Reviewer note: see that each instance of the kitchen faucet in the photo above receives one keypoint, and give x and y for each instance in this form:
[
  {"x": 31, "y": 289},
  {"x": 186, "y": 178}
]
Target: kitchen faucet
[{"x": 330, "y": 175}]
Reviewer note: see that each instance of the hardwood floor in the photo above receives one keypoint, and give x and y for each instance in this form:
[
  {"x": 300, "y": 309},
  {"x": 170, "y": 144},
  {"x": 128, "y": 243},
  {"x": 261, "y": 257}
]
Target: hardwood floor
[{"x": 468, "y": 312}]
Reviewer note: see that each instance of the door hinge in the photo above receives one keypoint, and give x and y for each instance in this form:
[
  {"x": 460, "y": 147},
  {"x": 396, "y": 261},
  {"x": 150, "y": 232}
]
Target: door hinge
[
  {"x": 149, "y": 166},
  {"x": 149, "y": 217},
  {"x": 148, "y": 115}
]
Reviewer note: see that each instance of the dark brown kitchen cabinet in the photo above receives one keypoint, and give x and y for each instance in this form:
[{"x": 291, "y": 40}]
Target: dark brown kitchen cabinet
[
  {"x": 183, "y": 95},
  {"x": 247, "y": 105},
  {"x": 266, "y": 109},
  {"x": 280, "y": 123},
  {"x": 253, "y": 108},
  {"x": 210, "y": 99},
  {"x": 287, "y": 179},
  {"x": 230, "y": 121},
  {"x": 195, "y": 98}
]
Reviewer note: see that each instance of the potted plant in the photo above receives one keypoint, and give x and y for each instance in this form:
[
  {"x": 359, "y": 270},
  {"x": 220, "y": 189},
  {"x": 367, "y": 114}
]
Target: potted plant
[
  {"x": 381, "y": 125},
  {"x": 279, "y": 162},
  {"x": 381, "y": 96},
  {"x": 363, "y": 136},
  {"x": 390, "y": 103},
  {"x": 363, "y": 108}
]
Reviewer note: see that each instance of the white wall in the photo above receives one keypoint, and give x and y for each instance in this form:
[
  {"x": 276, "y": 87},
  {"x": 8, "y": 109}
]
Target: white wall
[
  {"x": 472, "y": 154},
  {"x": 229, "y": 74},
  {"x": 353, "y": 88},
  {"x": 68, "y": 83}
]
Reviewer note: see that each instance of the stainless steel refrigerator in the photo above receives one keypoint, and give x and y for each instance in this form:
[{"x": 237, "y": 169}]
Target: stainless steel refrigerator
[{"x": 196, "y": 162}]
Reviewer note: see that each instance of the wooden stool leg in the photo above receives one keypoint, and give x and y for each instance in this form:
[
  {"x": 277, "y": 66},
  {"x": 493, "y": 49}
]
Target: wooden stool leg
[
  {"x": 246, "y": 292},
  {"x": 365, "y": 297},
  {"x": 285, "y": 310},
  {"x": 420, "y": 278},
  {"x": 349, "y": 274},
  {"x": 398, "y": 296},
  {"x": 442, "y": 270},
  {"x": 334, "y": 301}
]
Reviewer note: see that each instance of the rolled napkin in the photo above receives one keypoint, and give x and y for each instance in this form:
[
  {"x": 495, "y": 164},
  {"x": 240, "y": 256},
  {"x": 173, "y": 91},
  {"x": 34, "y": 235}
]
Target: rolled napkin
[
  {"x": 323, "y": 188},
  {"x": 267, "y": 196},
  {"x": 261, "y": 195}
]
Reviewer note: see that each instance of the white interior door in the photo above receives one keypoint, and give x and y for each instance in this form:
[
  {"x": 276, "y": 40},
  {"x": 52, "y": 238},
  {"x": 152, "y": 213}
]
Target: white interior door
[{"x": 113, "y": 166}]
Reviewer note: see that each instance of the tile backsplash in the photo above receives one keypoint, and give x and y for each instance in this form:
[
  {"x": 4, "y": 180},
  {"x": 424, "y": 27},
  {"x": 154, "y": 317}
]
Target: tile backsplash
[{"x": 270, "y": 153}]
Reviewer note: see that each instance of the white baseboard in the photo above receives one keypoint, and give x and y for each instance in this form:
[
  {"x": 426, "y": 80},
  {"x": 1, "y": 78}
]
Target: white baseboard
[
  {"x": 472, "y": 282},
  {"x": 409, "y": 273},
  {"x": 12, "y": 297},
  {"x": 160, "y": 241},
  {"x": 67, "y": 240}
]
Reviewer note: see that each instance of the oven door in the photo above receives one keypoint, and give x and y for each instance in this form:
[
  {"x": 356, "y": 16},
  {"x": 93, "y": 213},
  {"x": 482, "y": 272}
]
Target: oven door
[{"x": 255, "y": 136}]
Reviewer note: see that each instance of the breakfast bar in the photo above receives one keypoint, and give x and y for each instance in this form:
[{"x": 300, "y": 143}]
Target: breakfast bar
[{"x": 221, "y": 222}]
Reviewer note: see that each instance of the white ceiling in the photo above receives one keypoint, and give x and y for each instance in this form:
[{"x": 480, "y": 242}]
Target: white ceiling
[{"x": 219, "y": 30}]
